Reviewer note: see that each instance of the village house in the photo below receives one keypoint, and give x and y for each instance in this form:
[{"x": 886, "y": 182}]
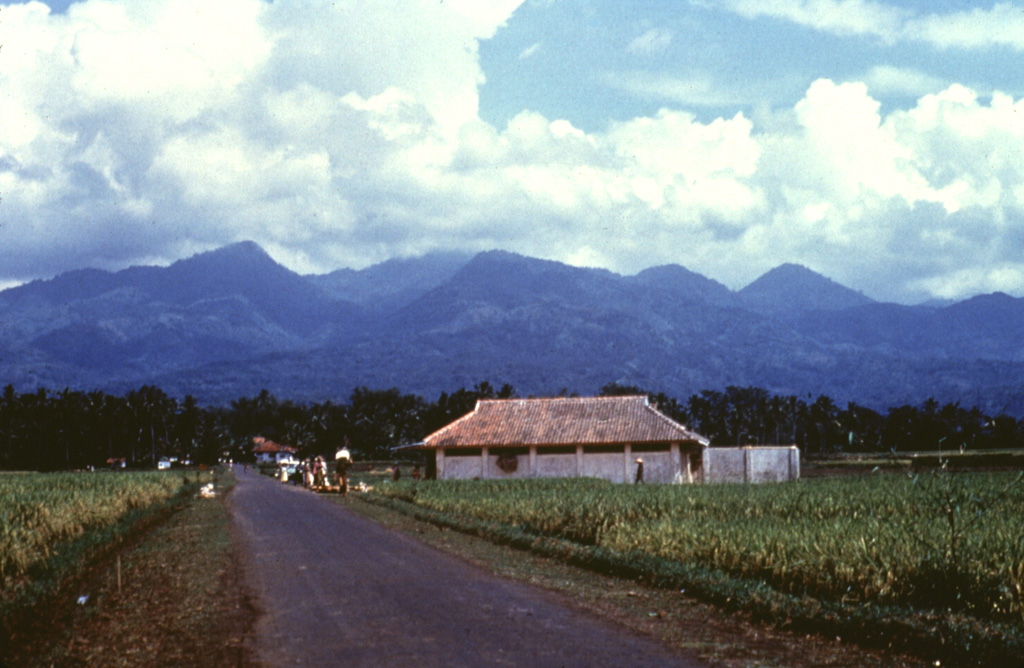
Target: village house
[
  {"x": 600, "y": 437},
  {"x": 269, "y": 452}
]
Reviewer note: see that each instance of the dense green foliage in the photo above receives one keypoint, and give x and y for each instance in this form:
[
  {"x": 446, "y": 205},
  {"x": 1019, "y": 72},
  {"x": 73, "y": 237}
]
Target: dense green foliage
[
  {"x": 949, "y": 543},
  {"x": 72, "y": 429}
]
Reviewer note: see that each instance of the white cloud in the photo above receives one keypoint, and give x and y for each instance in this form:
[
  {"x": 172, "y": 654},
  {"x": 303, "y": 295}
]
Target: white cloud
[
  {"x": 529, "y": 51},
  {"x": 168, "y": 58},
  {"x": 840, "y": 17},
  {"x": 148, "y": 119},
  {"x": 1005, "y": 277},
  {"x": 654, "y": 40},
  {"x": 977, "y": 28},
  {"x": 1002, "y": 25},
  {"x": 902, "y": 81},
  {"x": 339, "y": 134},
  {"x": 897, "y": 203},
  {"x": 697, "y": 89}
]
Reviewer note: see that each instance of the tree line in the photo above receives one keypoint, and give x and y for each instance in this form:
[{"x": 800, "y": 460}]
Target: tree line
[{"x": 70, "y": 429}]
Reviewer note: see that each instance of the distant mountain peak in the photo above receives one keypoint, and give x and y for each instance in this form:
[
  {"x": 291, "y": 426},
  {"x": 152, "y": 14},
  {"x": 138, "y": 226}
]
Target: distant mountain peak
[
  {"x": 394, "y": 282},
  {"x": 492, "y": 258},
  {"x": 991, "y": 302},
  {"x": 791, "y": 271},
  {"x": 683, "y": 282},
  {"x": 240, "y": 252},
  {"x": 792, "y": 287},
  {"x": 663, "y": 271},
  {"x": 507, "y": 270},
  {"x": 242, "y": 248}
]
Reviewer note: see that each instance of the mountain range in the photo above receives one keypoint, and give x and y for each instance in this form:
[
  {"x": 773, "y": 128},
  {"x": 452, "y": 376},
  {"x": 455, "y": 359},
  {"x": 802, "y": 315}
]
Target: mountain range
[{"x": 230, "y": 322}]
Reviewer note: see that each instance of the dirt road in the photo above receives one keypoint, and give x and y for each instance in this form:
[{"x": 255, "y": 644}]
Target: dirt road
[{"x": 336, "y": 589}]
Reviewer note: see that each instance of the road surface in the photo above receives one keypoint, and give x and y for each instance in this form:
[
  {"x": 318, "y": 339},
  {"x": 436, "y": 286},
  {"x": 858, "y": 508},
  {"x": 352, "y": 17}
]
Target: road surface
[{"x": 335, "y": 589}]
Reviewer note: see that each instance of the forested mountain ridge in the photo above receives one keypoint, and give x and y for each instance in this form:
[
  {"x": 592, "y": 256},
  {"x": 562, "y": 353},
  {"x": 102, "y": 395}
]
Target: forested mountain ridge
[
  {"x": 790, "y": 287},
  {"x": 230, "y": 322}
]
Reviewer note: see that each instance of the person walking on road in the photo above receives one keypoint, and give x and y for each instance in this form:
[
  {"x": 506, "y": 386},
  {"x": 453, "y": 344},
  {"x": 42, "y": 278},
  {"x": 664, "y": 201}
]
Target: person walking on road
[{"x": 319, "y": 477}]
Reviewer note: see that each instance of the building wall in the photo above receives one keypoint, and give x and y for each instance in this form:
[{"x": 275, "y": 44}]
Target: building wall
[
  {"x": 460, "y": 466},
  {"x": 658, "y": 468},
  {"x": 556, "y": 465},
  {"x": 275, "y": 458},
  {"x": 607, "y": 465},
  {"x": 522, "y": 458},
  {"x": 752, "y": 464},
  {"x": 725, "y": 465},
  {"x": 662, "y": 464}
]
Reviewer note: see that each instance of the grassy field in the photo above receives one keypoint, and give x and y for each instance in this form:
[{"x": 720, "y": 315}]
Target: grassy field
[
  {"x": 41, "y": 511},
  {"x": 52, "y": 525},
  {"x": 169, "y": 595},
  {"x": 937, "y": 558}
]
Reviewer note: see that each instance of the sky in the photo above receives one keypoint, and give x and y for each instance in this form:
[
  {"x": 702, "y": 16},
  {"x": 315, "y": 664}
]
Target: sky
[{"x": 880, "y": 143}]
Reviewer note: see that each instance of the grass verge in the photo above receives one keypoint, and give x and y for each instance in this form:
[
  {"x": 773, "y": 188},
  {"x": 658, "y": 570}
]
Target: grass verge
[{"x": 170, "y": 595}]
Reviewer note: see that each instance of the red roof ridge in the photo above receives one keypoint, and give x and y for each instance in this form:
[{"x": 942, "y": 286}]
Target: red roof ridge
[
  {"x": 614, "y": 397},
  {"x": 266, "y": 445},
  {"x": 541, "y": 421},
  {"x": 453, "y": 424},
  {"x": 678, "y": 425}
]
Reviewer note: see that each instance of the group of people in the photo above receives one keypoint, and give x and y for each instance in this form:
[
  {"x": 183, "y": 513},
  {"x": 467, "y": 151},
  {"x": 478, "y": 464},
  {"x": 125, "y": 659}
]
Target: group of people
[{"x": 314, "y": 473}]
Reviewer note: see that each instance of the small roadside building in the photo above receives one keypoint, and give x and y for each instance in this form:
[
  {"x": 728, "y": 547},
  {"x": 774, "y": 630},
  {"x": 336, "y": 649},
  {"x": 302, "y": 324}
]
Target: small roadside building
[
  {"x": 601, "y": 437},
  {"x": 269, "y": 452}
]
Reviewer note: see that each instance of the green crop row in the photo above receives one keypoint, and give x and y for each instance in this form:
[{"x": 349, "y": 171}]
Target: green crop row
[{"x": 41, "y": 512}]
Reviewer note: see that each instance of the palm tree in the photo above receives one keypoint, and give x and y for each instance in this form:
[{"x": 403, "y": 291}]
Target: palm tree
[{"x": 148, "y": 407}]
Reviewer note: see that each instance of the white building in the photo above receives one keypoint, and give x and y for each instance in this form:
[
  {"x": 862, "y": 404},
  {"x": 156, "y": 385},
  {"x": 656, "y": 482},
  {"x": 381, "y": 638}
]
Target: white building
[
  {"x": 268, "y": 452},
  {"x": 600, "y": 437}
]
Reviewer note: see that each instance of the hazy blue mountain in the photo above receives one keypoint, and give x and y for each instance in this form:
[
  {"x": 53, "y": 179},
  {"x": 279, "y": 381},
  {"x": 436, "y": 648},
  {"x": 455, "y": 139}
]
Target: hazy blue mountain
[
  {"x": 544, "y": 326},
  {"x": 228, "y": 304},
  {"x": 992, "y": 326},
  {"x": 683, "y": 284},
  {"x": 986, "y": 327},
  {"x": 494, "y": 285},
  {"x": 791, "y": 287},
  {"x": 393, "y": 283},
  {"x": 231, "y": 322},
  {"x": 239, "y": 271}
]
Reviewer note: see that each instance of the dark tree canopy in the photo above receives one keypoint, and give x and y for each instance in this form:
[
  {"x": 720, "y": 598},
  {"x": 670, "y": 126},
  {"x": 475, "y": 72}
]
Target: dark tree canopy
[{"x": 70, "y": 429}]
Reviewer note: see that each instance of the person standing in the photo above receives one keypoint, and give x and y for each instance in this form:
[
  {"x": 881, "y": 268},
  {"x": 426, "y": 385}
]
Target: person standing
[
  {"x": 319, "y": 478},
  {"x": 342, "y": 459},
  {"x": 639, "y": 472}
]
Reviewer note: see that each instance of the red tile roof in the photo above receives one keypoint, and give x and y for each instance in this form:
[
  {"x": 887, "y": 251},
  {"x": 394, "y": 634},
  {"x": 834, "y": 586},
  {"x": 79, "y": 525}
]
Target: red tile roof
[
  {"x": 266, "y": 446},
  {"x": 561, "y": 422}
]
